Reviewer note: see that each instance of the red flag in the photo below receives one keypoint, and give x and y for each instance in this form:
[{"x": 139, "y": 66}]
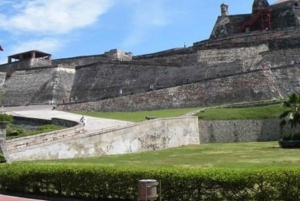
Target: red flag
[{"x": 1, "y": 49}]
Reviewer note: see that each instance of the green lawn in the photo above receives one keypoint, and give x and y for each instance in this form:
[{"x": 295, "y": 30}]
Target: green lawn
[
  {"x": 139, "y": 115},
  {"x": 224, "y": 155},
  {"x": 261, "y": 112}
]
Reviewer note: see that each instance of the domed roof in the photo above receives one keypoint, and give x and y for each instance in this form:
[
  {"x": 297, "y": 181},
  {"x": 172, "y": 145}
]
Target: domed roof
[{"x": 281, "y": 1}]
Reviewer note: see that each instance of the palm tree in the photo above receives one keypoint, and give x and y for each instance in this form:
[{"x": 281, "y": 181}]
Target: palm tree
[{"x": 292, "y": 115}]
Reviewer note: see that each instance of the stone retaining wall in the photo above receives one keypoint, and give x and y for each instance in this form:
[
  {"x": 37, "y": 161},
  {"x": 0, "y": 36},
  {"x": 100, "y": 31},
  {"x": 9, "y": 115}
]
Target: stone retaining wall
[
  {"x": 242, "y": 131},
  {"x": 102, "y": 81},
  {"x": 146, "y": 136},
  {"x": 259, "y": 85}
]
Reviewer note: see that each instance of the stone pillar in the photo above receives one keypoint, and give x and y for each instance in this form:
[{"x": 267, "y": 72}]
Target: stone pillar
[
  {"x": 2, "y": 141},
  {"x": 21, "y": 57},
  {"x": 9, "y": 60},
  {"x": 224, "y": 9},
  {"x": 32, "y": 55}
]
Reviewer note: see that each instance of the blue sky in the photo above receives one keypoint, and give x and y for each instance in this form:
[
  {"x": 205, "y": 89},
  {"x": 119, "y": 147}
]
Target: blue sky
[{"x": 69, "y": 28}]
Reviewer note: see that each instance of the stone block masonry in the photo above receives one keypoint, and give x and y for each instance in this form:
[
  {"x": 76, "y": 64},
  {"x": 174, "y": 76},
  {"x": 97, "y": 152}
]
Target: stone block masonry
[
  {"x": 253, "y": 86},
  {"x": 242, "y": 131},
  {"x": 38, "y": 86}
]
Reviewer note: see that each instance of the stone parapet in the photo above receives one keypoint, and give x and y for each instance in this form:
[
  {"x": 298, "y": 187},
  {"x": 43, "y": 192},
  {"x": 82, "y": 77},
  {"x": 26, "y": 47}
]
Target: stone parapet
[{"x": 24, "y": 143}]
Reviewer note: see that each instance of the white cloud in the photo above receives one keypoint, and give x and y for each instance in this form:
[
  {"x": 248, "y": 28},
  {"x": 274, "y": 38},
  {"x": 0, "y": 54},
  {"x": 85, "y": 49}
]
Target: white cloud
[
  {"x": 54, "y": 16},
  {"x": 46, "y": 25}
]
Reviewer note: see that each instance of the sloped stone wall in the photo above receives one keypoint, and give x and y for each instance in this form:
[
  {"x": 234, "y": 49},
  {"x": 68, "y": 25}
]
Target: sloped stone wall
[
  {"x": 102, "y": 81},
  {"x": 288, "y": 79},
  {"x": 253, "y": 86},
  {"x": 37, "y": 86}
]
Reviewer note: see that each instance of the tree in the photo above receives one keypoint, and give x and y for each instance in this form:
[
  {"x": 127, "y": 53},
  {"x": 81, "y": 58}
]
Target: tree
[{"x": 292, "y": 115}]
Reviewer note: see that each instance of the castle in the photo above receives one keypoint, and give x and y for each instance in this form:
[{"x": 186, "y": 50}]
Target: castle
[{"x": 248, "y": 57}]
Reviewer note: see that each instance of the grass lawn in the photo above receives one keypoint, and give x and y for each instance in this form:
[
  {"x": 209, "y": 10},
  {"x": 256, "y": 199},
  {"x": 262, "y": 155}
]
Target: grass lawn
[
  {"x": 261, "y": 112},
  {"x": 223, "y": 155},
  {"x": 139, "y": 115}
]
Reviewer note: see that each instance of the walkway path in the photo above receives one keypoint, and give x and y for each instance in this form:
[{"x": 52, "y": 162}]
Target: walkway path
[{"x": 46, "y": 112}]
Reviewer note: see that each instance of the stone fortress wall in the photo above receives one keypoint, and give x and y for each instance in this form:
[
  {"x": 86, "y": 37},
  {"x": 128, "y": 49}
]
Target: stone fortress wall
[
  {"x": 117, "y": 75},
  {"x": 102, "y": 80},
  {"x": 248, "y": 86},
  {"x": 37, "y": 86}
]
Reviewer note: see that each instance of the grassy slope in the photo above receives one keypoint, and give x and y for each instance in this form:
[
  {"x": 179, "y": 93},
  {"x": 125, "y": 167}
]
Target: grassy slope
[
  {"x": 139, "y": 115},
  {"x": 262, "y": 112},
  {"x": 223, "y": 155}
]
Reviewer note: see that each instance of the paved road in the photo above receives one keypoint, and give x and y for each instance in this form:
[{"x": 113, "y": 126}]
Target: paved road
[{"x": 46, "y": 112}]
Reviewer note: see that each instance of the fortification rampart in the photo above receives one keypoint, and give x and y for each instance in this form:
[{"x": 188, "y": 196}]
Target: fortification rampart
[
  {"x": 252, "y": 38},
  {"x": 253, "y": 86},
  {"x": 112, "y": 55},
  {"x": 101, "y": 81},
  {"x": 38, "y": 86},
  {"x": 146, "y": 136},
  {"x": 79, "y": 61},
  {"x": 26, "y": 64}
]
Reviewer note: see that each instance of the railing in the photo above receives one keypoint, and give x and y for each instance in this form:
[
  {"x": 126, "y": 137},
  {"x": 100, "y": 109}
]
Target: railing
[
  {"x": 51, "y": 137},
  {"x": 24, "y": 142}
]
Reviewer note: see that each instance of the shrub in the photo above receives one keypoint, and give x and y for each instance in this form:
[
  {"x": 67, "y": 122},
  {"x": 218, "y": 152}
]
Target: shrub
[
  {"x": 48, "y": 128},
  {"x": 289, "y": 136},
  {"x": 2, "y": 158},
  {"x": 111, "y": 183},
  {"x": 15, "y": 131},
  {"x": 6, "y": 117}
]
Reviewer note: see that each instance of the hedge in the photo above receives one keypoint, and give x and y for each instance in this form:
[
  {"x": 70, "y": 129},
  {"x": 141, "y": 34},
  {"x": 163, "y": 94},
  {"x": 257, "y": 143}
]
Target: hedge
[{"x": 120, "y": 183}]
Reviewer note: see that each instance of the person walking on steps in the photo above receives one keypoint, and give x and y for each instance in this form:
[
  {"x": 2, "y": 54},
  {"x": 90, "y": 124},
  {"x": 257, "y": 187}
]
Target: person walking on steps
[{"x": 83, "y": 120}]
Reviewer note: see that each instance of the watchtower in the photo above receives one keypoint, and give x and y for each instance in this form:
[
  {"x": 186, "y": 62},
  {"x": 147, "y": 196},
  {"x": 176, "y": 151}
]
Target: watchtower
[
  {"x": 33, "y": 58},
  {"x": 224, "y": 9},
  {"x": 259, "y": 5},
  {"x": 261, "y": 17}
]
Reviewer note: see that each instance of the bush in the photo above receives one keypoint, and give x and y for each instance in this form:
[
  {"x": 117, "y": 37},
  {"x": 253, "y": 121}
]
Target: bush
[
  {"x": 15, "y": 131},
  {"x": 289, "y": 136},
  {"x": 6, "y": 117},
  {"x": 49, "y": 128},
  {"x": 2, "y": 158},
  {"x": 111, "y": 183}
]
